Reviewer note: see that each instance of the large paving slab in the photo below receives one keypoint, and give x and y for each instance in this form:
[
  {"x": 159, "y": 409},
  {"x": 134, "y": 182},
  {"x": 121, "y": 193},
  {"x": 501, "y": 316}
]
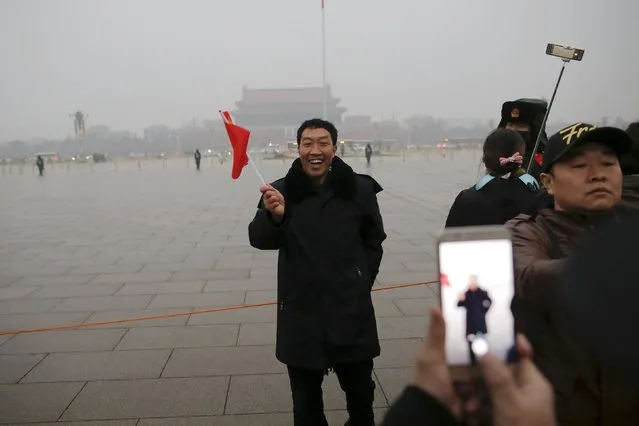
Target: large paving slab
[
  {"x": 96, "y": 245},
  {"x": 15, "y": 367},
  {"x": 86, "y": 366},
  {"x": 37, "y": 402},
  {"x": 63, "y": 341}
]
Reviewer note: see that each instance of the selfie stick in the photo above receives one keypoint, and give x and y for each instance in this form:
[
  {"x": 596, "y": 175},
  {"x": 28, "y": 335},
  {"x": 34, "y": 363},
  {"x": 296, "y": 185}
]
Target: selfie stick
[{"x": 543, "y": 123}]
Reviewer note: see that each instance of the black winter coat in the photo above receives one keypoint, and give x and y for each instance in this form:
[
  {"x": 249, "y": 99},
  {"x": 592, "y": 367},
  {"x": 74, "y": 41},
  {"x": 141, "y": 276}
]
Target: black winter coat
[
  {"x": 495, "y": 203},
  {"x": 330, "y": 249},
  {"x": 477, "y": 304}
]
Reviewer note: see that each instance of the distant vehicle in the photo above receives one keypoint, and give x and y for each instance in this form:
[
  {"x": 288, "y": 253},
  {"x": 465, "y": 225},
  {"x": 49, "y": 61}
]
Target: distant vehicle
[
  {"x": 273, "y": 151},
  {"x": 48, "y": 157},
  {"x": 99, "y": 158}
]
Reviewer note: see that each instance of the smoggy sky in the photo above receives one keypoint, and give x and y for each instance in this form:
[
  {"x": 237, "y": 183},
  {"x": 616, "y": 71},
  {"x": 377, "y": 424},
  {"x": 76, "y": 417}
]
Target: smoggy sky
[{"x": 133, "y": 63}]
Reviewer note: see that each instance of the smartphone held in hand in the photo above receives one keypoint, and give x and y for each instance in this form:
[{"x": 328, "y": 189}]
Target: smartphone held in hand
[{"x": 476, "y": 292}]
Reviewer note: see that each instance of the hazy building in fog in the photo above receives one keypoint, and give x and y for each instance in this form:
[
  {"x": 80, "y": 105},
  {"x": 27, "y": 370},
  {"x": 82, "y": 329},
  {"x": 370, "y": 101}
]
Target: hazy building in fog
[{"x": 273, "y": 115}]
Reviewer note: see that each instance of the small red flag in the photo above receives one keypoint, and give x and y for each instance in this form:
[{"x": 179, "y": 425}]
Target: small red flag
[
  {"x": 239, "y": 138},
  {"x": 539, "y": 158},
  {"x": 443, "y": 280}
]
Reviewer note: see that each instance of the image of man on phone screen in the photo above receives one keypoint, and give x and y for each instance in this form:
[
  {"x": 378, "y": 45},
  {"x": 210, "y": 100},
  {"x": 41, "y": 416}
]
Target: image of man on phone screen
[{"x": 477, "y": 303}]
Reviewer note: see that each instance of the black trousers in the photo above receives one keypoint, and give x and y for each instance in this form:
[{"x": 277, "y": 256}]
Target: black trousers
[
  {"x": 355, "y": 380},
  {"x": 473, "y": 357}
]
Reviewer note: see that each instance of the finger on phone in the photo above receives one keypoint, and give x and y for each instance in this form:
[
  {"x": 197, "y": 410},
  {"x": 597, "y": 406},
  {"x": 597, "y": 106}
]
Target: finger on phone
[
  {"x": 498, "y": 377},
  {"x": 437, "y": 330},
  {"x": 524, "y": 348}
]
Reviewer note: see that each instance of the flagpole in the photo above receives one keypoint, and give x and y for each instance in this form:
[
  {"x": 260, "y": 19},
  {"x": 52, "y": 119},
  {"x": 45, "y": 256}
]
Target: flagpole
[
  {"x": 259, "y": 175},
  {"x": 324, "y": 87}
]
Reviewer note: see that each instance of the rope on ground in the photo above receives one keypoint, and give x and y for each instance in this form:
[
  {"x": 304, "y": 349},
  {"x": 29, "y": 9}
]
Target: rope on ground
[{"x": 181, "y": 314}]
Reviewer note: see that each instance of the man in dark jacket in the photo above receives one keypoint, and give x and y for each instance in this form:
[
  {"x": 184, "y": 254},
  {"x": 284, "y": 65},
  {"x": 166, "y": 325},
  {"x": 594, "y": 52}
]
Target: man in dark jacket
[
  {"x": 325, "y": 221},
  {"x": 198, "y": 158},
  {"x": 581, "y": 171},
  {"x": 526, "y": 116},
  {"x": 40, "y": 164},
  {"x": 368, "y": 151},
  {"x": 477, "y": 303}
]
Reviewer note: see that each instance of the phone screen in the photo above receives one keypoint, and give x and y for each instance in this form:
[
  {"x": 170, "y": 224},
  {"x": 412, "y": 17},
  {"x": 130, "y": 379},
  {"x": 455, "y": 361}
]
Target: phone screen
[{"x": 477, "y": 287}]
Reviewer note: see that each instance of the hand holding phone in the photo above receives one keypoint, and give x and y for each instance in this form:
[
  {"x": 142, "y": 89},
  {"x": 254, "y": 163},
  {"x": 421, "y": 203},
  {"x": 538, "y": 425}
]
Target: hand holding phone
[{"x": 523, "y": 397}]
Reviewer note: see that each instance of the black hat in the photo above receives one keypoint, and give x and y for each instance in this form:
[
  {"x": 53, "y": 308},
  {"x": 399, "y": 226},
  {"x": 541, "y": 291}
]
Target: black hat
[
  {"x": 526, "y": 111},
  {"x": 567, "y": 139}
]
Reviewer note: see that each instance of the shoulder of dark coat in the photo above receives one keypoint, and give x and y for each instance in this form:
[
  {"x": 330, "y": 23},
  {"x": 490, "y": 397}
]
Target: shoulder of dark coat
[
  {"x": 531, "y": 183},
  {"x": 629, "y": 207},
  {"x": 466, "y": 197},
  {"x": 519, "y": 221},
  {"x": 368, "y": 182},
  {"x": 468, "y": 193}
]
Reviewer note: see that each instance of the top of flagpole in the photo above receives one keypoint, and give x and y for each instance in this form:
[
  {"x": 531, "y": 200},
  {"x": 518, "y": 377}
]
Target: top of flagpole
[{"x": 324, "y": 88}]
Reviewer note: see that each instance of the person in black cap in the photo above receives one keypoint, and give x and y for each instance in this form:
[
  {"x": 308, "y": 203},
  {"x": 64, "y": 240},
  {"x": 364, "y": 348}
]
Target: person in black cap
[
  {"x": 525, "y": 116},
  {"x": 630, "y": 167},
  {"x": 581, "y": 170}
]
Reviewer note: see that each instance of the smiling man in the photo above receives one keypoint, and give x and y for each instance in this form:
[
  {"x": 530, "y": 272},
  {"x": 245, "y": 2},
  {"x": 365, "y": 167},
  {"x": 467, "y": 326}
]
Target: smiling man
[
  {"x": 581, "y": 170},
  {"x": 325, "y": 221}
]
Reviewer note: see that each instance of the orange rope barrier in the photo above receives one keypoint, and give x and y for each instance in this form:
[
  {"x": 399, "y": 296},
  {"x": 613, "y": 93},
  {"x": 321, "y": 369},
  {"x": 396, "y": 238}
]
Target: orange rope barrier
[{"x": 180, "y": 314}]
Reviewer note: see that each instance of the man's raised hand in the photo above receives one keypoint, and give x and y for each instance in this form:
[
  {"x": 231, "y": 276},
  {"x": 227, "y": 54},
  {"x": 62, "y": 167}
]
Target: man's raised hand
[{"x": 273, "y": 202}]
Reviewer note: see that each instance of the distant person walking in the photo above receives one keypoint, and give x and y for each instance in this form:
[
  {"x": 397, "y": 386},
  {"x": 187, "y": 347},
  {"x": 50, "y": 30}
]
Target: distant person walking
[
  {"x": 198, "y": 158},
  {"x": 368, "y": 151},
  {"x": 40, "y": 164}
]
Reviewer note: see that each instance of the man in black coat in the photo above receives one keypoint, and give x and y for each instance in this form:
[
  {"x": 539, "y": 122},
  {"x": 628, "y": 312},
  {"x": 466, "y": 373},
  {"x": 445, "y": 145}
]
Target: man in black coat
[
  {"x": 325, "y": 221},
  {"x": 40, "y": 164},
  {"x": 477, "y": 303},
  {"x": 198, "y": 158}
]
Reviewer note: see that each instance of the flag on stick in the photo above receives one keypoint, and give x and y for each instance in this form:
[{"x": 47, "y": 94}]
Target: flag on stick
[
  {"x": 239, "y": 137},
  {"x": 443, "y": 280}
]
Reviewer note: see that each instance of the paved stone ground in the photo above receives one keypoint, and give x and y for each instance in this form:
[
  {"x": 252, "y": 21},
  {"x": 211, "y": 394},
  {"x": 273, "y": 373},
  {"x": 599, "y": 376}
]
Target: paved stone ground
[{"x": 94, "y": 244}]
